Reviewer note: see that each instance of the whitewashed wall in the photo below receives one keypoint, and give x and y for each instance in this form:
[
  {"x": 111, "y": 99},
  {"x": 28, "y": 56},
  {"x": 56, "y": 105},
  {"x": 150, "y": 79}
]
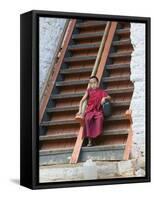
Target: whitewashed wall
[
  {"x": 50, "y": 30},
  {"x": 138, "y": 99}
]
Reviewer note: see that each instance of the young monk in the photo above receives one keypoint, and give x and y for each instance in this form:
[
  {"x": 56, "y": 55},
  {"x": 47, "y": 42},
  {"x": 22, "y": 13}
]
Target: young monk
[{"x": 93, "y": 116}]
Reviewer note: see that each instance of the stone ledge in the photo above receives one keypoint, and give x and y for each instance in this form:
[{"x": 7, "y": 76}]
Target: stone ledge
[{"x": 93, "y": 170}]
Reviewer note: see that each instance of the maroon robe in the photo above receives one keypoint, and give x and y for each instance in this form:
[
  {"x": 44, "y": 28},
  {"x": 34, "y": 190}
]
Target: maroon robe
[{"x": 93, "y": 116}]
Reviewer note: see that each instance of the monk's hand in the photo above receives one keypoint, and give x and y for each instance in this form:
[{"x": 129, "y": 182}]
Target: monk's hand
[{"x": 102, "y": 101}]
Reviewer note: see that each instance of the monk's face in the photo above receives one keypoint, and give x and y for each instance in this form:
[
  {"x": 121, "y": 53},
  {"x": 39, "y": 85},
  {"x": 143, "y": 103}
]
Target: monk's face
[{"x": 93, "y": 83}]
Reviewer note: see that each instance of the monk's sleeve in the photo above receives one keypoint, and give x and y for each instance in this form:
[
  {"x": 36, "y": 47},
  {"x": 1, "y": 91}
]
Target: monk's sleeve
[{"x": 104, "y": 93}]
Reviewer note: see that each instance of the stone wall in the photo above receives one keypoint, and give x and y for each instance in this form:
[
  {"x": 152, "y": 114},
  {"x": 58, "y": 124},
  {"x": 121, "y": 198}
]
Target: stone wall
[
  {"x": 50, "y": 32},
  {"x": 138, "y": 99}
]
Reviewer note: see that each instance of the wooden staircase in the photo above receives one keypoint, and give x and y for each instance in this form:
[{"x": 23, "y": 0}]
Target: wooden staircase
[{"x": 58, "y": 128}]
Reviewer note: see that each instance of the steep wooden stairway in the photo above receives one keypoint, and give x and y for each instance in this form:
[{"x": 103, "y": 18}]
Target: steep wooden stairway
[{"x": 59, "y": 131}]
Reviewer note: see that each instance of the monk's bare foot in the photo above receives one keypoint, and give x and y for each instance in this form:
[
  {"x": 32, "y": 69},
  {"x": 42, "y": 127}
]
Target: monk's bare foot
[{"x": 89, "y": 142}]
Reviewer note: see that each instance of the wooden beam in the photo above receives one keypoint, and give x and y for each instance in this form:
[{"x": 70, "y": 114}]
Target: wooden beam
[
  {"x": 128, "y": 146},
  {"x": 98, "y": 70},
  {"x": 106, "y": 50},
  {"x": 56, "y": 69}
]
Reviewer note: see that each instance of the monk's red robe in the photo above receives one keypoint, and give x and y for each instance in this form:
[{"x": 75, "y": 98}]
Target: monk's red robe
[{"x": 93, "y": 116}]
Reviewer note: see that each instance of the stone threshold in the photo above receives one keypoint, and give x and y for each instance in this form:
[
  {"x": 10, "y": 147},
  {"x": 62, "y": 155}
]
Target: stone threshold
[{"x": 92, "y": 170}]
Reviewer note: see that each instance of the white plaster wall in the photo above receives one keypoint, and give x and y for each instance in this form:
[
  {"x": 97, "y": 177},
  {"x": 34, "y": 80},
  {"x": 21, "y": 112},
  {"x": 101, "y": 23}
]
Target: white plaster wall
[
  {"x": 50, "y": 30},
  {"x": 138, "y": 78}
]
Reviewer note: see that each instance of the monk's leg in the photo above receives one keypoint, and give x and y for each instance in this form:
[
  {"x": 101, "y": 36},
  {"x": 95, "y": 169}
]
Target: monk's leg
[
  {"x": 90, "y": 142},
  {"x": 98, "y": 125},
  {"x": 87, "y": 128}
]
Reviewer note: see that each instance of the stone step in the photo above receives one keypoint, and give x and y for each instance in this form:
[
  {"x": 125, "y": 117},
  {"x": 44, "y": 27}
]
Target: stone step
[
  {"x": 118, "y": 66},
  {"x": 79, "y": 59},
  {"x": 119, "y": 55},
  {"x": 71, "y": 82},
  {"x": 79, "y": 95},
  {"x": 116, "y": 78},
  {"x": 102, "y": 152},
  {"x": 76, "y": 70}
]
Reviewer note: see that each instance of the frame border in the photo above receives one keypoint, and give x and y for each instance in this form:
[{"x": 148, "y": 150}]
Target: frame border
[{"x": 29, "y": 99}]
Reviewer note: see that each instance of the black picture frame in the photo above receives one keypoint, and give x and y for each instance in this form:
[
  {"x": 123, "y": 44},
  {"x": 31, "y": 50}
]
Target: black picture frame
[{"x": 29, "y": 101}]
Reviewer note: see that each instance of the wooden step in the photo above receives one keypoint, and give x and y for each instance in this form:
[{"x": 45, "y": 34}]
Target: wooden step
[
  {"x": 79, "y": 95},
  {"x": 72, "y": 82},
  {"x": 79, "y": 59},
  {"x": 123, "y": 31},
  {"x": 116, "y": 78},
  {"x": 76, "y": 47},
  {"x": 71, "y": 135},
  {"x": 119, "y": 55},
  {"x": 101, "y": 152},
  {"x": 87, "y": 35},
  {"x": 90, "y": 24},
  {"x": 98, "y": 34},
  {"x": 121, "y": 42},
  {"x": 75, "y": 108},
  {"x": 66, "y": 96},
  {"x": 118, "y": 66},
  {"x": 57, "y": 137},
  {"x": 120, "y": 90},
  {"x": 73, "y": 121},
  {"x": 116, "y": 118},
  {"x": 58, "y": 122},
  {"x": 115, "y": 132},
  {"x": 76, "y": 70},
  {"x": 121, "y": 104},
  {"x": 62, "y": 109}
]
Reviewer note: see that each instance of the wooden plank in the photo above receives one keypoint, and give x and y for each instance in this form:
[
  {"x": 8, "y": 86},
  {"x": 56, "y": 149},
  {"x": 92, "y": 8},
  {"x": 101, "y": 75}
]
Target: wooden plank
[
  {"x": 116, "y": 78},
  {"x": 71, "y": 82},
  {"x": 129, "y": 138},
  {"x": 53, "y": 76},
  {"x": 79, "y": 58},
  {"x": 76, "y": 70},
  {"x": 106, "y": 51},
  {"x": 88, "y": 35},
  {"x": 58, "y": 122},
  {"x": 118, "y": 66},
  {"x": 90, "y": 24}
]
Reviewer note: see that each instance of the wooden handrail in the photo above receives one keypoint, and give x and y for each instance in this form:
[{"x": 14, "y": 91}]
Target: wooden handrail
[
  {"x": 103, "y": 55},
  {"x": 95, "y": 68},
  {"x": 57, "y": 66}
]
